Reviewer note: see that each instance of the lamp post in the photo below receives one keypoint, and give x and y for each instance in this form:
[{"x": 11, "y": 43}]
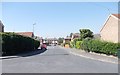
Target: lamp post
[
  {"x": 33, "y": 27},
  {"x": 33, "y": 35}
]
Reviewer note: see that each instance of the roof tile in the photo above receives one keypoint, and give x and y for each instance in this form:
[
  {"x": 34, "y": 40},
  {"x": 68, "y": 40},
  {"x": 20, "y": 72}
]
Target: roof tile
[
  {"x": 117, "y": 15},
  {"x": 28, "y": 34}
]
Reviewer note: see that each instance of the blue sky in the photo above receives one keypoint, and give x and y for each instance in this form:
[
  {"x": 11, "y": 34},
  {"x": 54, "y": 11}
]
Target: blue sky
[{"x": 55, "y": 19}]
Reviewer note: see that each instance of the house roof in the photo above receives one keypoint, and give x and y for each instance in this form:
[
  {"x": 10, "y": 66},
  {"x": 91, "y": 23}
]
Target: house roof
[
  {"x": 112, "y": 15},
  {"x": 28, "y": 34},
  {"x": 68, "y": 37},
  {"x": 76, "y": 34},
  {"x": 51, "y": 38},
  {"x": 116, "y": 15}
]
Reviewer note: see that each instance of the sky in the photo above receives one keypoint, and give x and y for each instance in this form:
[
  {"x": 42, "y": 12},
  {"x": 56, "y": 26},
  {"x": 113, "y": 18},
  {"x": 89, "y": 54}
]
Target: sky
[{"x": 55, "y": 19}]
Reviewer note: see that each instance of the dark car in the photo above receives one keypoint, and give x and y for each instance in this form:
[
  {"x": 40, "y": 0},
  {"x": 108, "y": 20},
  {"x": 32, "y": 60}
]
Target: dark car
[{"x": 44, "y": 47}]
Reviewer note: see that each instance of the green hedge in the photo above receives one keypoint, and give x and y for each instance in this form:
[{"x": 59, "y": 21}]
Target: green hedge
[
  {"x": 72, "y": 44},
  {"x": 100, "y": 47},
  {"x": 75, "y": 42},
  {"x": 78, "y": 44},
  {"x": 13, "y": 43}
]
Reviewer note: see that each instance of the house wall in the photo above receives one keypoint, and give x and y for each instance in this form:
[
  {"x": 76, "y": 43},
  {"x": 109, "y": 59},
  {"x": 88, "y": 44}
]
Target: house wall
[
  {"x": 119, "y": 31},
  {"x": 1, "y": 27},
  {"x": 75, "y": 37},
  {"x": 66, "y": 40},
  {"x": 110, "y": 30}
]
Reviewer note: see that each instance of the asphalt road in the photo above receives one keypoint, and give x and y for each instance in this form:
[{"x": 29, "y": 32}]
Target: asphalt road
[{"x": 55, "y": 60}]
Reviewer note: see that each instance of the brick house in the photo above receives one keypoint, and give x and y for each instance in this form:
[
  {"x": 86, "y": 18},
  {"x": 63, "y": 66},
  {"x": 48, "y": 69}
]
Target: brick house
[
  {"x": 52, "y": 40},
  {"x": 111, "y": 30},
  {"x": 1, "y": 27},
  {"x": 66, "y": 41},
  {"x": 75, "y": 36}
]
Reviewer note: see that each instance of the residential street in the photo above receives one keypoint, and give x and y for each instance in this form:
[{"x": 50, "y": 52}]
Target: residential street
[{"x": 56, "y": 60}]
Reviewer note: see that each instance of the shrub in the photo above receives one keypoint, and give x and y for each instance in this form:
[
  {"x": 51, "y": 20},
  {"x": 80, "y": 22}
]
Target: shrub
[
  {"x": 100, "y": 47},
  {"x": 13, "y": 43},
  {"x": 73, "y": 43},
  {"x": 62, "y": 44},
  {"x": 84, "y": 45},
  {"x": 78, "y": 44},
  {"x": 118, "y": 53}
]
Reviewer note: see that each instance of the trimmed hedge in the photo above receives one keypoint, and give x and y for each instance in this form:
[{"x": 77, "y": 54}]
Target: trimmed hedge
[
  {"x": 13, "y": 43},
  {"x": 98, "y": 46}
]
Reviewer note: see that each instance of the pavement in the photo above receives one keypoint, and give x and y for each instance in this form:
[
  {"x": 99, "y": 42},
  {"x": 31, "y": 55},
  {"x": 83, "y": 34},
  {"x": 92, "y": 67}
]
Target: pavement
[
  {"x": 7, "y": 57},
  {"x": 91, "y": 55},
  {"x": 31, "y": 53}
]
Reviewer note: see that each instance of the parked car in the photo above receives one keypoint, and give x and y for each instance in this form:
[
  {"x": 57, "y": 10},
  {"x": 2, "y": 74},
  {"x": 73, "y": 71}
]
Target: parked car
[{"x": 43, "y": 46}]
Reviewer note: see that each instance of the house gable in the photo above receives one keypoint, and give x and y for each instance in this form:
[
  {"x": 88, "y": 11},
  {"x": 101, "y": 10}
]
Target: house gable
[{"x": 109, "y": 32}]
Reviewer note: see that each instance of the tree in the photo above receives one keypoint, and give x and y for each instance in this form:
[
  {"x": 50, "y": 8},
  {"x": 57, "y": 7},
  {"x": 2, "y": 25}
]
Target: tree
[
  {"x": 71, "y": 34},
  {"x": 86, "y": 33},
  {"x": 60, "y": 40}
]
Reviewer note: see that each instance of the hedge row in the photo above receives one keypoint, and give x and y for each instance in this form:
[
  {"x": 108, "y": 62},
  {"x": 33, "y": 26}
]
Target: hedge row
[
  {"x": 13, "y": 43},
  {"x": 98, "y": 46},
  {"x": 75, "y": 43},
  {"x": 78, "y": 44}
]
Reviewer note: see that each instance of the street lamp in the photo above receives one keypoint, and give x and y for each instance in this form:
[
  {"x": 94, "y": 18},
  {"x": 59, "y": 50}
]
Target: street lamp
[
  {"x": 33, "y": 36},
  {"x": 33, "y": 27}
]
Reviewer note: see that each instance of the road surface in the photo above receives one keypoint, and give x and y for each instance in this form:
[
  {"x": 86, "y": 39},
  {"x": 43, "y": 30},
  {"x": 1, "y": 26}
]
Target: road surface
[{"x": 55, "y": 60}]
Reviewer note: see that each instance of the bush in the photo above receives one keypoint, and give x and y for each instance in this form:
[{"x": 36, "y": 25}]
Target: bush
[
  {"x": 78, "y": 44},
  {"x": 98, "y": 46},
  {"x": 73, "y": 43},
  {"x": 62, "y": 44},
  {"x": 13, "y": 43}
]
